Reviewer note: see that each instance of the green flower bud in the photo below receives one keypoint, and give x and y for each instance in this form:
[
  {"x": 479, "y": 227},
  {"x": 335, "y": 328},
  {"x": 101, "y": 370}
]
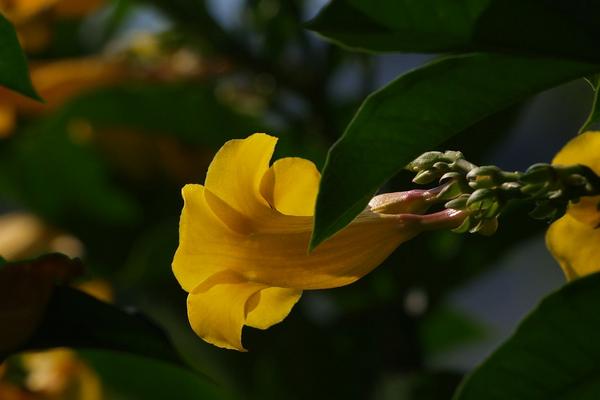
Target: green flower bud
[
  {"x": 451, "y": 190},
  {"x": 490, "y": 226},
  {"x": 450, "y": 176},
  {"x": 441, "y": 166},
  {"x": 555, "y": 194},
  {"x": 539, "y": 173},
  {"x": 464, "y": 227},
  {"x": 425, "y": 161},
  {"x": 481, "y": 195},
  {"x": 533, "y": 189},
  {"x": 424, "y": 177},
  {"x": 487, "y": 176},
  {"x": 459, "y": 203},
  {"x": 477, "y": 227},
  {"x": 463, "y": 165},
  {"x": 576, "y": 180},
  {"x": 510, "y": 186}
]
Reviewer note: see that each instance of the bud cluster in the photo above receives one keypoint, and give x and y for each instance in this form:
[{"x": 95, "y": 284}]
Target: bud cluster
[{"x": 483, "y": 192}]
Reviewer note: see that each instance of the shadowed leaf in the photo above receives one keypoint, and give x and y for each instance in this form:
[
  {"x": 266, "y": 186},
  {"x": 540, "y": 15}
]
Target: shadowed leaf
[
  {"x": 25, "y": 290},
  {"x": 464, "y": 26},
  {"x": 553, "y": 353}
]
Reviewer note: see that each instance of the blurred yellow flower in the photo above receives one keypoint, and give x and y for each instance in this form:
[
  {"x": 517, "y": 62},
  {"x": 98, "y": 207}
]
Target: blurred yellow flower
[
  {"x": 244, "y": 236},
  {"x": 51, "y": 375},
  {"x": 60, "y": 374},
  {"x": 574, "y": 239}
]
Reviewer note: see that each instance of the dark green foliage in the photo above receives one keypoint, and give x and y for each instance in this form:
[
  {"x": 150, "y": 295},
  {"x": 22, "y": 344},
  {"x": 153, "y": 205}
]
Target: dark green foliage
[
  {"x": 13, "y": 64},
  {"x": 534, "y": 27},
  {"x": 152, "y": 380},
  {"x": 75, "y": 319},
  {"x": 553, "y": 353}
]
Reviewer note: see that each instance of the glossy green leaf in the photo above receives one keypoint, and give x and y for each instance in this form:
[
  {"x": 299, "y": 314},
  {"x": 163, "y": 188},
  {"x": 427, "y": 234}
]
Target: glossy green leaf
[
  {"x": 75, "y": 319},
  {"x": 553, "y": 353},
  {"x": 38, "y": 311},
  {"x": 126, "y": 376},
  {"x": 14, "y": 73},
  {"x": 464, "y": 26},
  {"x": 417, "y": 112}
]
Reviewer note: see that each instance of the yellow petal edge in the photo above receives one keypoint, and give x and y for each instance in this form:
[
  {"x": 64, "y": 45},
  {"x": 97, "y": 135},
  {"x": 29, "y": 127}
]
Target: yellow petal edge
[{"x": 574, "y": 239}]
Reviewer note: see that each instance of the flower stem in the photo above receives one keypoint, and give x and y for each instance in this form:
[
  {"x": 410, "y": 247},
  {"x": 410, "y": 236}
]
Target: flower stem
[
  {"x": 483, "y": 192},
  {"x": 445, "y": 219}
]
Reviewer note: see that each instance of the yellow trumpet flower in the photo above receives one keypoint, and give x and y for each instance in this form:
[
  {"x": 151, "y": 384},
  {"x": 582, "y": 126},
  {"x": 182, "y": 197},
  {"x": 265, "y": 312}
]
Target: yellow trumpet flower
[
  {"x": 244, "y": 236},
  {"x": 574, "y": 239}
]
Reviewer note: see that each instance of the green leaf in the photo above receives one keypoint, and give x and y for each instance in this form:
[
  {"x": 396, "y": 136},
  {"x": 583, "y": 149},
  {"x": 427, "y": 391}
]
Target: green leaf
[
  {"x": 132, "y": 377},
  {"x": 14, "y": 73},
  {"x": 75, "y": 319},
  {"x": 553, "y": 353},
  {"x": 464, "y": 26},
  {"x": 417, "y": 112},
  {"x": 37, "y": 311}
]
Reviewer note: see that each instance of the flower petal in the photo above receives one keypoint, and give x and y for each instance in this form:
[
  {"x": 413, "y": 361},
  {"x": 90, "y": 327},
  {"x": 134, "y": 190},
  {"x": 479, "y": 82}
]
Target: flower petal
[
  {"x": 265, "y": 221},
  {"x": 270, "y": 306},
  {"x": 575, "y": 246},
  {"x": 232, "y": 218},
  {"x": 276, "y": 255},
  {"x": 217, "y": 308},
  {"x": 291, "y": 186},
  {"x": 199, "y": 230},
  {"x": 583, "y": 149},
  {"x": 586, "y": 211},
  {"x": 237, "y": 170}
]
